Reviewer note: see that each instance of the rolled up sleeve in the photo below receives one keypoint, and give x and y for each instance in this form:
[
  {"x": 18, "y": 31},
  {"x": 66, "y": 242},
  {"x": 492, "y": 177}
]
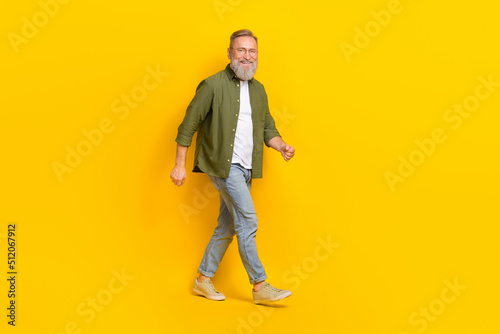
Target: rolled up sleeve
[
  {"x": 270, "y": 130},
  {"x": 196, "y": 112}
]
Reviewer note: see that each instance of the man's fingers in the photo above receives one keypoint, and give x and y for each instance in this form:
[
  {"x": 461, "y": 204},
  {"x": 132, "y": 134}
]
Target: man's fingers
[
  {"x": 289, "y": 149},
  {"x": 177, "y": 181},
  {"x": 287, "y": 155}
]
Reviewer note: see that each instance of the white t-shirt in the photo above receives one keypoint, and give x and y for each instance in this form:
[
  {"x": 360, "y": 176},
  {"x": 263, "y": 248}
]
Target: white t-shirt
[{"x": 243, "y": 141}]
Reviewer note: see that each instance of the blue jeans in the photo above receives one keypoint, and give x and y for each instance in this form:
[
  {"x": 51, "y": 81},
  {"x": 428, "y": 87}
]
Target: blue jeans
[{"x": 236, "y": 216}]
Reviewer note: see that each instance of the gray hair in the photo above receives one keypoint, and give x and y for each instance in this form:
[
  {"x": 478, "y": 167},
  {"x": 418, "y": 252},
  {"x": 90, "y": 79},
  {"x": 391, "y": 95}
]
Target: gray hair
[{"x": 239, "y": 33}]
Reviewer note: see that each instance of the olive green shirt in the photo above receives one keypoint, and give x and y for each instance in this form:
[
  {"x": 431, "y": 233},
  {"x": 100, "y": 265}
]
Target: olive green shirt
[{"x": 213, "y": 112}]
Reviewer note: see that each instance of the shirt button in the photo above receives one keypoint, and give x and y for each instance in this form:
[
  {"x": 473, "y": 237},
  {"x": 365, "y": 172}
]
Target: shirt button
[
  {"x": 236, "y": 114},
  {"x": 237, "y": 85},
  {"x": 228, "y": 160},
  {"x": 234, "y": 130},
  {"x": 237, "y": 100},
  {"x": 231, "y": 145}
]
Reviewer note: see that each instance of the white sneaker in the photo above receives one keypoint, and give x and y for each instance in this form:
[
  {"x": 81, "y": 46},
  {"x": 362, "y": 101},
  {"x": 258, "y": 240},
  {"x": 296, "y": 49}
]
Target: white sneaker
[
  {"x": 207, "y": 289},
  {"x": 269, "y": 293}
]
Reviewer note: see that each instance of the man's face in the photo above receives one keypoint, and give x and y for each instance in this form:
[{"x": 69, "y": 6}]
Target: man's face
[{"x": 243, "y": 55}]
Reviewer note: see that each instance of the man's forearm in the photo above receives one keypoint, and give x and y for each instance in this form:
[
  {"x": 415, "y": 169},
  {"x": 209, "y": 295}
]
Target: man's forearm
[
  {"x": 180, "y": 157},
  {"x": 277, "y": 143}
]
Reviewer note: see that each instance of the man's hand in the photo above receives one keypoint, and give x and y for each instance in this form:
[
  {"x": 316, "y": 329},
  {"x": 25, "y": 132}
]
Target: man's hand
[
  {"x": 287, "y": 152},
  {"x": 178, "y": 175}
]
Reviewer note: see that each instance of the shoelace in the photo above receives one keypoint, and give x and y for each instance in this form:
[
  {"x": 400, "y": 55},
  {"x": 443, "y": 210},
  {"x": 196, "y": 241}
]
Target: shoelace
[
  {"x": 271, "y": 288},
  {"x": 212, "y": 287}
]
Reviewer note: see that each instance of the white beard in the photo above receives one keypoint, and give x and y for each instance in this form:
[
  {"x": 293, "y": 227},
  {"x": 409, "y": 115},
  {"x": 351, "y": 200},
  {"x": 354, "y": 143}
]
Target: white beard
[{"x": 240, "y": 72}]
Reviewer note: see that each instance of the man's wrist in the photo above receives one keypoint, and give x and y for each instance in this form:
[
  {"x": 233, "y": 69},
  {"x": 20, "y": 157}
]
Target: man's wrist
[
  {"x": 277, "y": 143},
  {"x": 281, "y": 145}
]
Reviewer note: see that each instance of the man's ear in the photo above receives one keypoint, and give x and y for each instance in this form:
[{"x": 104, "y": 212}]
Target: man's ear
[{"x": 229, "y": 53}]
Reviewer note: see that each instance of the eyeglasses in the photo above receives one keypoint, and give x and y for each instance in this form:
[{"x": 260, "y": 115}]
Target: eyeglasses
[{"x": 241, "y": 52}]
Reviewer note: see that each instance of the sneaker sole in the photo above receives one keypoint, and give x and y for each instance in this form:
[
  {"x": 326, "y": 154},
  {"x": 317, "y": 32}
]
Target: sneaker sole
[
  {"x": 273, "y": 299},
  {"x": 201, "y": 293}
]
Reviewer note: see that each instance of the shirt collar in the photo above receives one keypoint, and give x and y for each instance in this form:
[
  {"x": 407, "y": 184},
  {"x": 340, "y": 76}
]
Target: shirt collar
[{"x": 231, "y": 75}]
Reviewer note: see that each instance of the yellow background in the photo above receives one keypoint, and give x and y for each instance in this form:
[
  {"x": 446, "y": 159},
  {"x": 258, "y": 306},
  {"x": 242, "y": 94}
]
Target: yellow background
[{"x": 349, "y": 122}]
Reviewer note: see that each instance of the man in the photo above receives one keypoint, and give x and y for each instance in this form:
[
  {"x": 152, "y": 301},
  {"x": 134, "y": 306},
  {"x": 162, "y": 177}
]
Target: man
[{"x": 231, "y": 114}]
